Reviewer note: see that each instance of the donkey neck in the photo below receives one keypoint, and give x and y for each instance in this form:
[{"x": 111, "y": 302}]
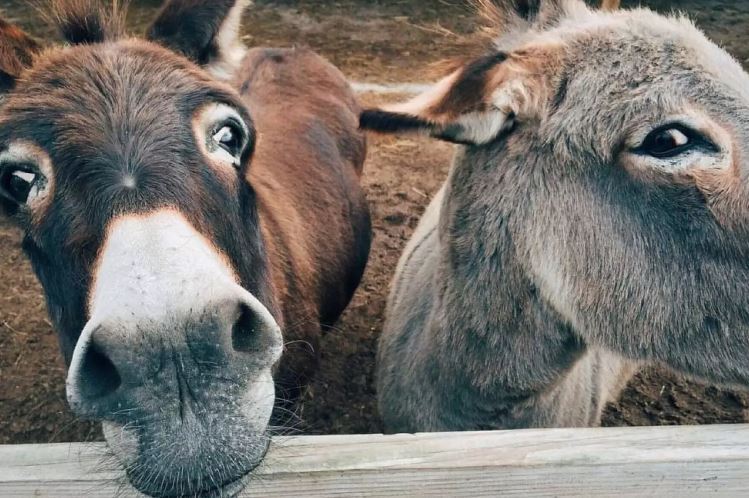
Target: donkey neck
[{"x": 511, "y": 357}]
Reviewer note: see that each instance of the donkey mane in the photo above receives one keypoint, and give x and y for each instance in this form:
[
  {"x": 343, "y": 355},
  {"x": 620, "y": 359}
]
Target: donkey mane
[{"x": 83, "y": 22}]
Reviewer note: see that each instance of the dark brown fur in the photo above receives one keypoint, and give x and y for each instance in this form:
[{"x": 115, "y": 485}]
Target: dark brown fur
[
  {"x": 86, "y": 21},
  {"x": 180, "y": 24},
  {"x": 299, "y": 184},
  {"x": 294, "y": 92}
]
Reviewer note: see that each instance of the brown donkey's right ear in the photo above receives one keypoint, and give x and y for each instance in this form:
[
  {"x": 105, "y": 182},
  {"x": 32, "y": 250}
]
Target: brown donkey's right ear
[
  {"x": 17, "y": 51},
  {"x": 204, "y": 31}
]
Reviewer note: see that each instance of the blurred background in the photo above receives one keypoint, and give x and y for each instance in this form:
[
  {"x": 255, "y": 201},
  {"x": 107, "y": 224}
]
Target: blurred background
[{"x": 386, "y": 42}]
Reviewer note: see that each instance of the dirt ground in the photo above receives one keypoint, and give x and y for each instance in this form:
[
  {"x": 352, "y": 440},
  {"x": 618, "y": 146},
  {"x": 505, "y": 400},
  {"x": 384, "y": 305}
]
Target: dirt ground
[{"x": 373, "y": 41}]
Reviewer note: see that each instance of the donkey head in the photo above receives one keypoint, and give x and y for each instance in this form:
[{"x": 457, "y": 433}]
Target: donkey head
[
  {"x": 607, "y": 155},
  {"x": 125, "y": 163}
]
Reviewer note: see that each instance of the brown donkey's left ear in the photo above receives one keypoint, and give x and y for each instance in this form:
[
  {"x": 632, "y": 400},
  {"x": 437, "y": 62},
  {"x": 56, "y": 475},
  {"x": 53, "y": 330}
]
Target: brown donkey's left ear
[
  {"x": 476, "y": 103},
  {"x": 204, "y": 31},
  {"x": 17, "y": 51}
]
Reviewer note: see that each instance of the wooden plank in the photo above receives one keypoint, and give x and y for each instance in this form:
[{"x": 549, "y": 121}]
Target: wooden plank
[{"x": 648, "y": 461}]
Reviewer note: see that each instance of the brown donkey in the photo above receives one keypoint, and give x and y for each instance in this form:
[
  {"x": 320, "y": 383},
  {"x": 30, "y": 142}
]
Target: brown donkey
[
  {"x": 188, "y": 209},
  {"x": 595, "y": 217}
]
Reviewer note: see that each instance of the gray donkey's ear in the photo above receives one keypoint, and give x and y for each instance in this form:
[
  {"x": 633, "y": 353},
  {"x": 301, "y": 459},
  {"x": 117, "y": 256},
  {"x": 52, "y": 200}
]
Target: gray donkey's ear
[
  {"x": 478, "y": 102},
  {"x": 17, "y": 51},
  {"x": 507, "y": 16},
  {"x": 204, "y": 31},
  {"x": 610, "y": 4}
]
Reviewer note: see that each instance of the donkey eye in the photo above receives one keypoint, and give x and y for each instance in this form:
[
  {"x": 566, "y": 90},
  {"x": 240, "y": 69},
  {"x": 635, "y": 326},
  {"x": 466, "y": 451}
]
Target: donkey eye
[
  {"x": 671, "y": 141},
  {"x": 223, "y": 131},
  {"x": 230, "y": 138},
  {"x": 19, "y": 185}
]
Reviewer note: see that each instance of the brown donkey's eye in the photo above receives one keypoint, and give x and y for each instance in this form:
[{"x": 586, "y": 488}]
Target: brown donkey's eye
[
  {"x": 19, "y": 185},
  {"x": 229, "y": 138}
]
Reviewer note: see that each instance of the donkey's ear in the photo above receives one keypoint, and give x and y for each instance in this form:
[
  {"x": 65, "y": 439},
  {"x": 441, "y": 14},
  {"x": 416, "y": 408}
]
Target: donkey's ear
[
  {"x": 610, "y": 4},
  {"x": 17, "y": 51},
  {"x": 205, "y": 31},
  {"x": 507, "y": 16},
  {"x": 475, "y": 104}
]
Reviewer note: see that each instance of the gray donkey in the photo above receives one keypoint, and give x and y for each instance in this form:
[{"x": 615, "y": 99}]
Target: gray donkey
[{"x": 596, "y": 217}]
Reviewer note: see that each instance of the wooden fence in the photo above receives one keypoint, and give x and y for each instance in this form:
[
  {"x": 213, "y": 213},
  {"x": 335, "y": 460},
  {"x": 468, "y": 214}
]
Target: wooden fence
[{"x": 648, "y": 461}]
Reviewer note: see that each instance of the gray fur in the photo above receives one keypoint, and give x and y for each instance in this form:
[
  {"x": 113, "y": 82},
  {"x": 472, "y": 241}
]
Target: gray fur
[{"x": 555, "y": 261}]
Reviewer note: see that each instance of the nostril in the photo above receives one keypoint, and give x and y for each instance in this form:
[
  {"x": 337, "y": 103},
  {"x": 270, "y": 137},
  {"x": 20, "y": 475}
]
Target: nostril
[
  {"x": 245, "y": 334},
  {"x": 99, "y": 377}
]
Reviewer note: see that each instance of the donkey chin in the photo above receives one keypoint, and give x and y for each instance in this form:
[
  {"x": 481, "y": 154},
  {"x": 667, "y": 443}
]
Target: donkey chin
[{"x": 207, "y": 449}]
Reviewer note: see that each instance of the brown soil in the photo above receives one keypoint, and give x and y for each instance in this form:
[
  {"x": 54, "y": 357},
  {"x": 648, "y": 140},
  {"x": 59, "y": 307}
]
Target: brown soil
[{"x": 389, "y": 40}]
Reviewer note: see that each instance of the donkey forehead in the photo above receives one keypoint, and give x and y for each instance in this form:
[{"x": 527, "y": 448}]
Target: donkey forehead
[
  {"x": 123, "y": 104},
  {"x": 117, "y": 123},
  {"x": 112, "y": 82},
  {"x": 652, "y": 45}
]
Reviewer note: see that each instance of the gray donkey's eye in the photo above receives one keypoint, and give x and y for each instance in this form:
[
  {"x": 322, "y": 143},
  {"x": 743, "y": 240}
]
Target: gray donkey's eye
[{"x": 673, "y": 140}]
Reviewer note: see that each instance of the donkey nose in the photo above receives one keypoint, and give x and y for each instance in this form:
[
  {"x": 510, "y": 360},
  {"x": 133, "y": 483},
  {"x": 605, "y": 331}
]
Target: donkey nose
[{"x": 123, "y": 361}]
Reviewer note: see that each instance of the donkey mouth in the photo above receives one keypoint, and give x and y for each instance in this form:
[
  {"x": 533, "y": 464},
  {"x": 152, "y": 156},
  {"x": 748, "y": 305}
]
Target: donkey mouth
[
  {"x": 229, "y": 489},
  {"x": 235, "y": 487},
  {"x": 223, "y": 467}
]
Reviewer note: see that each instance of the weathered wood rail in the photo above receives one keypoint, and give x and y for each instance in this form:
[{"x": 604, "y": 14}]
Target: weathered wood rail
[{"x": 648, "y": 461}]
